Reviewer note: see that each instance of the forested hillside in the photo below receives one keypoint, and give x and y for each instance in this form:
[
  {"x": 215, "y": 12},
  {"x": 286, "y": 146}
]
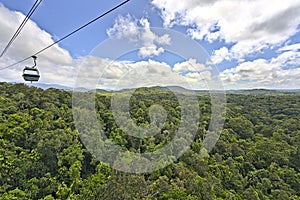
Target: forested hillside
[{"x": 42, "y": 157}]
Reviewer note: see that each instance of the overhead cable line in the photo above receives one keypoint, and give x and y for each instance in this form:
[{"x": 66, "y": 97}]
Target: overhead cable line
[
  {"x": 31, "y": 11},
  {"x": 68, "y": 35}
]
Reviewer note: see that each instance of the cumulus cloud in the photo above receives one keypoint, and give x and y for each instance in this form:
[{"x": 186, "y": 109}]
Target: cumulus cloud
[
  {"x": 292, "y": 47},
  {"x": 248, "y": 30},
  {"x": 56, "y": 64},
  {"x": 106, "y": 74},
  {"x": 190, "y": 65},
  {"x": 31, "y": 39},
  {"x": 124, "y": 27},
  {"x": 220, "y": 55},
  {"x": 139, "y": 31},
  {"x": 262, "y": 73},
  {"x": 249, "y": 26},
  {"x": 199, "y": 76},
  {"x": 288, "y": 59}
]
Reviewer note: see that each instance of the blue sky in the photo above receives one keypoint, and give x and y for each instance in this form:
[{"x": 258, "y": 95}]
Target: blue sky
[{"x": 253, "y": 44}]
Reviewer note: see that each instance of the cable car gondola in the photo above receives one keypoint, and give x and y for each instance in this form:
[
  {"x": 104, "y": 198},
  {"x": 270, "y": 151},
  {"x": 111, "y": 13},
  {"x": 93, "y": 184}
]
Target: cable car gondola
[{"x": 31, "y": 73}]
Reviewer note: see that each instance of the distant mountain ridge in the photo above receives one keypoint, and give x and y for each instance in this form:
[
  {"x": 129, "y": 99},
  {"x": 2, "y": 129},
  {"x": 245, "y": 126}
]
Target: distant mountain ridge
[
  {"x": 174, "y": 88},
  {"x": 46, "y": 86}
]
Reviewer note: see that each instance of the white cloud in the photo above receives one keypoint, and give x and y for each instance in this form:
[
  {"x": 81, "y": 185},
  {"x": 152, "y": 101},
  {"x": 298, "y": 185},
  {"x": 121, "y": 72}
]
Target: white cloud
[
  {"x": 250, "y": 26},
  {"x": 190, "y": 65},
  {"x": 124, "y": 27},
  {"x": 220, "y": 54},
  {"x": 55, "y": 64},
  {"x": 150, "y": 50},
  {"x": 292, "y": 47},
  {"x": 199, "y": 76},
  {"x": 258, "y": 70},
  {"x": 30, "y": 40},
  {"x": 153, "y": 73},
  {"x": 107, "y": 74},
  {"x": 139, "y": 31},
  {"x": 262, "y": 73},
  {"x": 288, "y": 58}
]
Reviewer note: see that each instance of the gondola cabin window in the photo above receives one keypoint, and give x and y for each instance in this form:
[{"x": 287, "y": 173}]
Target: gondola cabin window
[{"x": 31, "y": 73}]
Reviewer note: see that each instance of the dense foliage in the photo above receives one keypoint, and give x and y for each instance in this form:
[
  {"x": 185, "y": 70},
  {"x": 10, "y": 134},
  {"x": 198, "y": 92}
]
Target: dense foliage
[{"x": 42, "y": 156}]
